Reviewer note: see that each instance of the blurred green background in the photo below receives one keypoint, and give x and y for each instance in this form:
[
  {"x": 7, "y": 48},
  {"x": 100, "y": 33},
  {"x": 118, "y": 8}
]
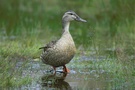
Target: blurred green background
[
  {"x": 26, "y": 25},
  {"x": 38, "y": 19}
]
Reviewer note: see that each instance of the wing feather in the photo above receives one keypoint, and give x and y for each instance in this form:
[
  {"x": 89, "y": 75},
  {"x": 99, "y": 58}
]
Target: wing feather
[{"x": 49, "y": 45}]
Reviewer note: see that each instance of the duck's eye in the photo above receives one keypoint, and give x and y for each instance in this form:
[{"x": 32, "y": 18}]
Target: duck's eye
[{"x": 71, "y": 14}]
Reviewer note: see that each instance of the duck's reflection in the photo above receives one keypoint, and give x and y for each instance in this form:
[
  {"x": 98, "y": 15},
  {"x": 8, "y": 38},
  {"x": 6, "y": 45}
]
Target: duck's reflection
[{"x": 55, "y": 82}]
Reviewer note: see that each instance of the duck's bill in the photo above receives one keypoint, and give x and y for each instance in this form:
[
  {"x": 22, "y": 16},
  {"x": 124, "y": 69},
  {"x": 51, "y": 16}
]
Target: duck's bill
[{"x": 80, "y": 19}]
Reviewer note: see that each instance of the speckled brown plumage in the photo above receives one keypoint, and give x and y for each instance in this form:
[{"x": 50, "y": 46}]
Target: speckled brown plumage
[{"x": 60, "y": 52}]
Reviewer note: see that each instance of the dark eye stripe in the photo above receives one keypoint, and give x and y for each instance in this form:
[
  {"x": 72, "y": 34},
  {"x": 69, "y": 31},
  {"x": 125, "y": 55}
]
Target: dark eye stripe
[{"x": 71, "y": 13}]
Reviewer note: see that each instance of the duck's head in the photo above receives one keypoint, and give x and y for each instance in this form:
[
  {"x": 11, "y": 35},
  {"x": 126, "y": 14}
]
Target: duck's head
[{"x": 70, "y": 16}]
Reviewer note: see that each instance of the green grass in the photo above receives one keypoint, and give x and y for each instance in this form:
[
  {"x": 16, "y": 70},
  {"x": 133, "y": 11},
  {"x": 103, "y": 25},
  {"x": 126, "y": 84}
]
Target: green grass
[
  {"x": 25, "y": 26},
  {"x": 11, "y": 76}
]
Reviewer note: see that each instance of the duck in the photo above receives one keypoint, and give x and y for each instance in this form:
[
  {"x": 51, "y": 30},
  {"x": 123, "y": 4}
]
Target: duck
[{"x": 60, "y": 52}]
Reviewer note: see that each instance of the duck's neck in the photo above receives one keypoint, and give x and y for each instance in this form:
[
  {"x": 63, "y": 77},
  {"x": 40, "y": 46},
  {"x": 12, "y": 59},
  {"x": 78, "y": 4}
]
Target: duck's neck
[
  {"x": 65, "y": 27},
  {"x": 66, "y": 36}
]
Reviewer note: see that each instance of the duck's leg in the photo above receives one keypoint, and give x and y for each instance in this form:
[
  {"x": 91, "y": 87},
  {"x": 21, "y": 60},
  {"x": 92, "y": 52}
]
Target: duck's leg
[
  {"x": 54, "y": 70},
  {"x": 65, "y": 69}
]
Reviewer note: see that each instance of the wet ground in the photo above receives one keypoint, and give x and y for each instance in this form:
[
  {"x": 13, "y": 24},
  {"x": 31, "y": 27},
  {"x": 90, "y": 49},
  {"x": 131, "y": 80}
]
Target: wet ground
[{"x": 82, "y": 78}]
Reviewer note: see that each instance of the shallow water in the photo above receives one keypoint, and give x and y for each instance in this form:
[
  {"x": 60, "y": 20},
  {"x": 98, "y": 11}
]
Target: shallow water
[{"x": 78, "y": 78}]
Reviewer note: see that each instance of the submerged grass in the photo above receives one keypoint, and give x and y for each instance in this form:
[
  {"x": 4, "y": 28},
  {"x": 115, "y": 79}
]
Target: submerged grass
[
  {"x": 26, "y": 26},
  {"x": 11, "y": 76},
  {"x": 118, "y": 74}
]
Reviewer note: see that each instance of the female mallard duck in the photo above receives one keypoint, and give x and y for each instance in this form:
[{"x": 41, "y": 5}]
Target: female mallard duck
[{"x": 60, "y": 52}]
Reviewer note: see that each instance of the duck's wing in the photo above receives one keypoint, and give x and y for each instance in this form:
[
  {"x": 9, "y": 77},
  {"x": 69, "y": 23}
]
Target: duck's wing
[{"x": 49, "y": 45}]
